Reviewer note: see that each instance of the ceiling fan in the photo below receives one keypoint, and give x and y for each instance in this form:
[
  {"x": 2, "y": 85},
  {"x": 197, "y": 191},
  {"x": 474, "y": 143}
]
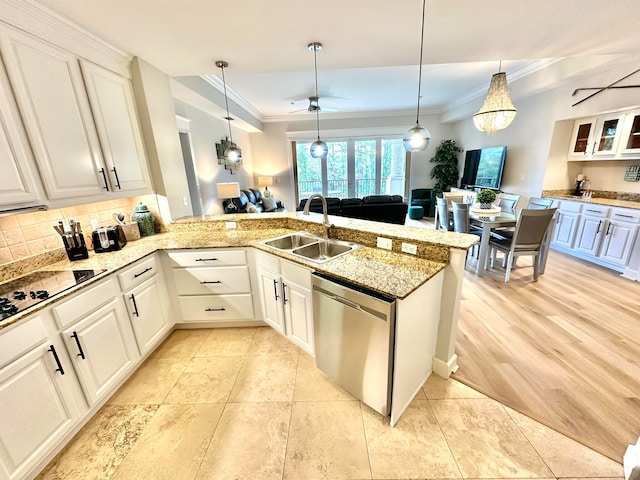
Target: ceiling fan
[{"x": 314, "y": 106}]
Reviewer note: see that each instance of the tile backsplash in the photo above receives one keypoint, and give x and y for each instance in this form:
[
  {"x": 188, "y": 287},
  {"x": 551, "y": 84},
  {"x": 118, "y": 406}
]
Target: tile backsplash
[{"x": 32, "y": 233}]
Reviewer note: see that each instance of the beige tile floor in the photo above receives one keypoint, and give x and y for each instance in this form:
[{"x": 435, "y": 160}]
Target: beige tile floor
[{"x": 235, "y": 404}]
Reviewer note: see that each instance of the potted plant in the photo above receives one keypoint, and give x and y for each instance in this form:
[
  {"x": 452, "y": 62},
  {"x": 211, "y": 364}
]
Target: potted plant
[
  {"x": 446, "y": 169},
  {"x": 485, "y": 198}
]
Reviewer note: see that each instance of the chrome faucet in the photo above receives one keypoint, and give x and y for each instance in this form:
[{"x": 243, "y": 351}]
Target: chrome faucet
[{"x": 325, "y": 218}]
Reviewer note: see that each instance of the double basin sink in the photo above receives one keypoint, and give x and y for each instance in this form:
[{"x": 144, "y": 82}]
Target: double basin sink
[{"x": 311, "y": 247}]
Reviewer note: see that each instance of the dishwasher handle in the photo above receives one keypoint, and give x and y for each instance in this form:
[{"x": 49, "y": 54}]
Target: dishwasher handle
[{"x": 350, "y": 304}]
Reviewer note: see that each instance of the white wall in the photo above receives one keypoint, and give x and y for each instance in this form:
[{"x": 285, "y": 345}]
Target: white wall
[{"x": 206, "y": 131}]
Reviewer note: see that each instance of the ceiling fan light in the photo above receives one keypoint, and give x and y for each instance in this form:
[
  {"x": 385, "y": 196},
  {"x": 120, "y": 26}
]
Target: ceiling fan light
[
  {"x": 319, "y": 149},
  {"x": 497, "y": 111},
  {"x": 416, "y": 139},
  {"x": 233, "y": 154}
]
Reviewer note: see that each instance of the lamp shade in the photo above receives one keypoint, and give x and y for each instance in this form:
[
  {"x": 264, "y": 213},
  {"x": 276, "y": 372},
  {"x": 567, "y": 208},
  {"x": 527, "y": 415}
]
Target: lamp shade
[
  {"x": 228, "y": 190},
  {"x": 319, "y": 149},
  {"x": 416, "y": 139},
  {"x": 497, "y": 111},
  {"x": 265, "y": 181}
]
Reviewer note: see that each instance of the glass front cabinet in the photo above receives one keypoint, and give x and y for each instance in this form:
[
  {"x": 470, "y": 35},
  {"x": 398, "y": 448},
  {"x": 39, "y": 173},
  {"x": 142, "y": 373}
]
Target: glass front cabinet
[{"x": 615, "y": 136}]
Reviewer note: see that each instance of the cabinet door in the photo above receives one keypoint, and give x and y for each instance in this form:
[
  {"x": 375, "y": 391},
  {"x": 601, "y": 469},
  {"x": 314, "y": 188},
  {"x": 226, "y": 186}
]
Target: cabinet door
[
  {"x": 35, "y": 414},
  {"x": 564, "y": 230},
  {"x": 102, "y": 349},
  {"x": 114, "y": 113},
  {"x": 608, "y": 132},
  {"x": 618, "y": 242},
  {"x": 582, "y": 138},
  {"x": 147, "y": 312},
  {"x": 270, "y": 292},
  {"x": 18, "y": 179},
  {"x": 630, "y": 139},
  {"x": 298, "y": 313},
  {"x": 589, "y": 235},
  {"x": 53, "y": 102}
]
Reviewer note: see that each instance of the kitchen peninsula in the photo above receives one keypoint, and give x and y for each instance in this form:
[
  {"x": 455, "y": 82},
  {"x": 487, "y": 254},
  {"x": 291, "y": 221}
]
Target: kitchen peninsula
[{"x": 426, "y": 288}]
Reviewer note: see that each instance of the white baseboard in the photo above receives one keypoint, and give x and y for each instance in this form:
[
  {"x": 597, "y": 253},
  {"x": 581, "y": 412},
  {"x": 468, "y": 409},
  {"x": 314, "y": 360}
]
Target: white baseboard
[{"x": 445, "y": 369}]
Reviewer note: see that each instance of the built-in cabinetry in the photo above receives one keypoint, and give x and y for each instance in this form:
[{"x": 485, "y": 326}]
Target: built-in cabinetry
[
  {"x": 145, "y": 296},
  {"x": 601, "y": 234},
  {"x": 213, "y": 286},
  {"x": 286, "y": 299},
  {"x": 18, "y": 184},
  {"x": 40, "y": 397},
  {"x": 614, "y": 136},
  {"x": 81, "y": 125},
  {"x": 98, "y": 337}
]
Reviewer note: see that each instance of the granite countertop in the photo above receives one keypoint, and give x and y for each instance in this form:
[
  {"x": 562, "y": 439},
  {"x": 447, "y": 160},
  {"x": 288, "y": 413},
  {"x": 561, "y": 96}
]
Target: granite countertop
[
  {"x": 612, "y": 202},
  {"x": 389, "y": 272}
]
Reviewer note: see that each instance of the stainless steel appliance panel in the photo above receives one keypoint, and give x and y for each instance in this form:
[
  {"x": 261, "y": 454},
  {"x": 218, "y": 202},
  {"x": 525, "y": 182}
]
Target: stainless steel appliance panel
[{"x": 354, "y": 334}]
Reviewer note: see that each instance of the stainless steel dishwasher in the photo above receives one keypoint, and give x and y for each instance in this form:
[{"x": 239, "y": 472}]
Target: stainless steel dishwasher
[{"x": 354, "y": 337}]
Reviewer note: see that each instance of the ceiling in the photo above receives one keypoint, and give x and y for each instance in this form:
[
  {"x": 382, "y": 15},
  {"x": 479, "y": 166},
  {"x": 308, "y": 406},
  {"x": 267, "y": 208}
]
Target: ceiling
[{"x": 369, "y": 61}]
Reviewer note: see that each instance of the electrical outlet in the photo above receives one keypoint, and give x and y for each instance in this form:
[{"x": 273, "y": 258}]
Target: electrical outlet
[
  {"x": 95, "y": 224},
  {"x": 409, "y": 248},
  {"x": 384, "y": 243},
  {"x": 231, "y": 224},
  {"x": 185, "y": 200}
]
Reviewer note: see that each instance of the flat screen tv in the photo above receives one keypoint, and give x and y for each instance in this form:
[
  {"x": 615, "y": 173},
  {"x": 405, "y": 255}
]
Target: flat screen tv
[{"x": 483, "y": 167}]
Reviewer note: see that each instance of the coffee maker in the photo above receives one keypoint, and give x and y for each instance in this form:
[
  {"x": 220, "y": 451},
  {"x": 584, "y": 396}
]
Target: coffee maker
[{"x": 579, "y": 181}]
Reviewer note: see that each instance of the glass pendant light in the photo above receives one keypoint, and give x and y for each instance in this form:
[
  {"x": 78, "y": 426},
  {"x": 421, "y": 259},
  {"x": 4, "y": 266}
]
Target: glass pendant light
[
  {"x": 497, "y": 111},
  {"x": 417, "y": 138},
  {"x": 318, "y": 149},
  {"x": 232, "y": 153}
]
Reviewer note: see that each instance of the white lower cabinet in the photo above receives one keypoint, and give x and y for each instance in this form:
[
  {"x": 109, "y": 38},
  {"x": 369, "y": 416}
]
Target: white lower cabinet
[
  {"x": 99, "y": 339},
  {"x": 40, "y": 397},
  {"x": 213, "y": 286},
  {"x": 146, "y": 298},
  {"x": 286, "y": 300},
  {"x": 601, "y": 234}
]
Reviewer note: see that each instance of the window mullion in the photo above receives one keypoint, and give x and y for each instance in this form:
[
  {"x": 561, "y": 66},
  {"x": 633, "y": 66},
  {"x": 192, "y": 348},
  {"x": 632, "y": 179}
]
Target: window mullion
[
  {"x": 378, "y": 180},
  {"x": 351, "y": 167}
]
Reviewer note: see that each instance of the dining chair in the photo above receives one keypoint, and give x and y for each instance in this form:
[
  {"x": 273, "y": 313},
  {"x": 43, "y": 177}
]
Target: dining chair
[
  {"x": 540, "y": 203},
  {"x": 461, "y": 224},
  {"x": 528, "y": 238},
  {"x": 453, "y": 197},
  {"x": 444, "y": 220},
  {"x": 507, "y": 201}
]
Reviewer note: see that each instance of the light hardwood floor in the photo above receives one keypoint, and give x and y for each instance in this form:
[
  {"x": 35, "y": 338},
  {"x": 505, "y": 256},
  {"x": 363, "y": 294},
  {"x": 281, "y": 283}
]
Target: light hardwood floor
[{"x": 564, "y": 351}]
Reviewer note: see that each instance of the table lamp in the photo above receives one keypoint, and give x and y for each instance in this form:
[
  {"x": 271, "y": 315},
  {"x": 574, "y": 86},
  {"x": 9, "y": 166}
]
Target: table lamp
[
  {"x": 265, "y": 182},
  {"x": 229, "y": 191}
]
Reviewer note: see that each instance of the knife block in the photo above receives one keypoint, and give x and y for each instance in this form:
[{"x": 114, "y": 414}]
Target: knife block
[{"x": 75, "y": 246}]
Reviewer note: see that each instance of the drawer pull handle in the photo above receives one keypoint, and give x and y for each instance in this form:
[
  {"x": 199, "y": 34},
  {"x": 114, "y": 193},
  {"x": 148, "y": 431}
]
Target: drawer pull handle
[
  {"x": 115, "y": 173},
  {"x": 623, "y": 215},
  {"x": 284, "y": 293},
  {"x": 608, "y": 228},
  {"x": 599, "y": 223},
  {"x": 135, "y": 306},
  {"x": 221, "y": 309},
  {"x": 275, "y": 289},
  {"x": 74, "y": 335},
  {"x": 104, "y": 177},
  {"x": 206, "y": 259},
  {"x": 594, "y": 211},
  {"x": 52, "y": 349},
  {"x": 143, "y": 272},
  {"x": 212, "y": 281}
]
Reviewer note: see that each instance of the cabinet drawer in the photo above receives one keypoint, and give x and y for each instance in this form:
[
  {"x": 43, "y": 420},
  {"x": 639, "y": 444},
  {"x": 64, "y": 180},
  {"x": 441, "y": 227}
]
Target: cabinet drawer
[
  {"x": 217, "y": 307},
  {"x": 83, "y": 303},
  {"x": 570, "y": 207},
  {"x": 138, "y": 273},
  {"x": 630, "y": 216},
  {"x": 207, "y": 258},
  {"x": 596, "y": 211},
  {"x": 206, "y": 281},
  {"x": 19, "y": 340}
]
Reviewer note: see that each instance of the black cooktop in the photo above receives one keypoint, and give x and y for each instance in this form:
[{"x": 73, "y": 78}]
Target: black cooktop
[{"x": 24, "y": 292}]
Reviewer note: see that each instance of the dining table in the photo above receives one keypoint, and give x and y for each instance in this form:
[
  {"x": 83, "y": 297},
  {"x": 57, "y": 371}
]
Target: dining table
[{"x": 489, "y": 221}]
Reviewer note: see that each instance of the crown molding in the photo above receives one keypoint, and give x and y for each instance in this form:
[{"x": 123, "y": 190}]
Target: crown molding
[
  {"x": 216, "y": 82},
  {"x": 38, "y": 20},
  {"x": 343, "y": 115}
]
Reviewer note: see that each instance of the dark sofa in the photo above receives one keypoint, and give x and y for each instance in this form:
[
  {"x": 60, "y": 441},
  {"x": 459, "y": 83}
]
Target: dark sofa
[
  {"x": 252, "y": 195},
  {"x": 379, "y": 208}
]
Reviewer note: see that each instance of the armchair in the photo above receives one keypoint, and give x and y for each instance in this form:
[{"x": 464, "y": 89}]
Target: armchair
[{"x": 425, "y": 198}]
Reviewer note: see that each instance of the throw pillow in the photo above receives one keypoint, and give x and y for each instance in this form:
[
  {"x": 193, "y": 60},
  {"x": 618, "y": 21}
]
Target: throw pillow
[
  {"x": 269, "y": 203},
  {"x": 251, "y": 208}
]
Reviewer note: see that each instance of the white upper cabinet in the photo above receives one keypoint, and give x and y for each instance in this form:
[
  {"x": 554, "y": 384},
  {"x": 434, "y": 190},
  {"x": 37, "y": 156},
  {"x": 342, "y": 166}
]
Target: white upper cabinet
[
  {"x": 52, "y": 99},
  {"x": 114, "y": 112},
  {"x": 18, "y": 180},
  {"x": 615, "y": 136}
]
